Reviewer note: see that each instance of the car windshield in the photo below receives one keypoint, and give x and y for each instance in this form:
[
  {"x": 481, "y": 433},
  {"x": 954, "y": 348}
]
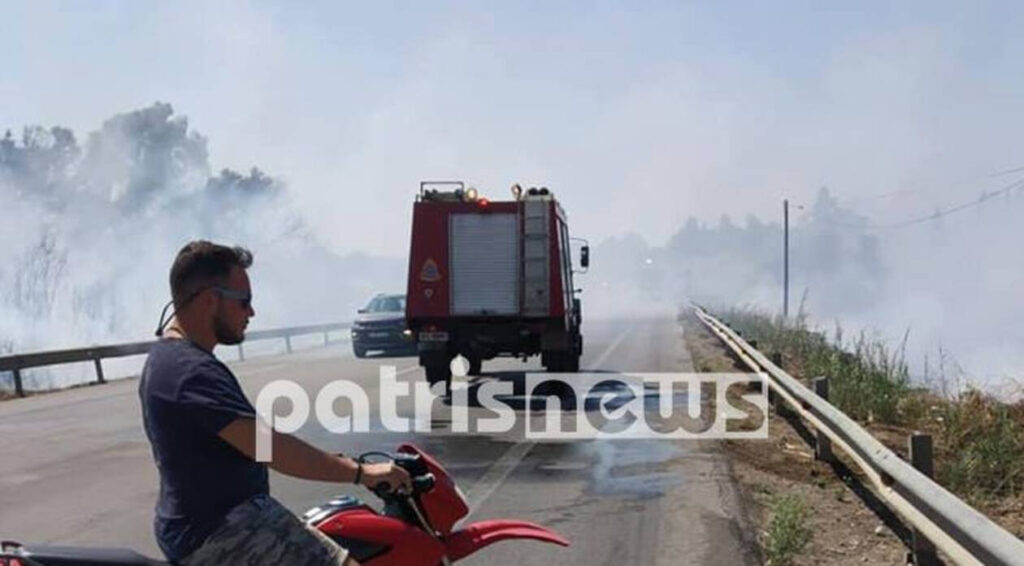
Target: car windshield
[{"x": 387, "y": 304}]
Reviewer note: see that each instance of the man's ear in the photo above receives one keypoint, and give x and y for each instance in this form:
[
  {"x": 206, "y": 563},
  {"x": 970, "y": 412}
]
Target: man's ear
[{"x": 211, "y": 300}]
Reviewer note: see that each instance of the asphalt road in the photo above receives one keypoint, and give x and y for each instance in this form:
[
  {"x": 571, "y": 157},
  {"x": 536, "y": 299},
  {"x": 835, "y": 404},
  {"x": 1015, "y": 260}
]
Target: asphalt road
[{"x": 76, "y": 468}]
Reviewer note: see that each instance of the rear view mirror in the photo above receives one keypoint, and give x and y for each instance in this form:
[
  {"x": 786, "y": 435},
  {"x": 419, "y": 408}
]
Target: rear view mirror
[
  {"x": 361, "y": 311},
  {"x": 585, "y": 257}
]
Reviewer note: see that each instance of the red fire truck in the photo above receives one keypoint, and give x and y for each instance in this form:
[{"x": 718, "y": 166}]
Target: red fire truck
[{"x": 492, "y": 278}]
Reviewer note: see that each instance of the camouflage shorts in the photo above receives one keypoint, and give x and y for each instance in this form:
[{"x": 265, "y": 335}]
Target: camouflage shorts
[{"x": 261, "y": 531}]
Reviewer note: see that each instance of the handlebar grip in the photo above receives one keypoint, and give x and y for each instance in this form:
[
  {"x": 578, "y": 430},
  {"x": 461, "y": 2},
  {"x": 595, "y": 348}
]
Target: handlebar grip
[
  {"x": 423, "y": 484},
  {"x": 411, "y": 463},
  {"x": 420, "y": 484}
]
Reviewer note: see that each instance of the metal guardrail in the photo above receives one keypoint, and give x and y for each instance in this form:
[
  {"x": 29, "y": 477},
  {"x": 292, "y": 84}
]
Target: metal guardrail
[
  {"x": 16, "y": 363},
  {"x": 965, "y": 535}
]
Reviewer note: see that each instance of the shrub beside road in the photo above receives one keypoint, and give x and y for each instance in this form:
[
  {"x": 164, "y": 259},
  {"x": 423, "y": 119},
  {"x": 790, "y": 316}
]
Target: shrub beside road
[{"x": 977, "y": 438}]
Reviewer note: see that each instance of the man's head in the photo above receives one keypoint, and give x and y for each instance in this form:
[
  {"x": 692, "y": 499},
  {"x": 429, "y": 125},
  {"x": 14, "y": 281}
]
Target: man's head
[{"x": 211, "y": 290}]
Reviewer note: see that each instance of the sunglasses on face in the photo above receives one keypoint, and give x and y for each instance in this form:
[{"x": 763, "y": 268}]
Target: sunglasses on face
[{"x": 243, "y": 298}]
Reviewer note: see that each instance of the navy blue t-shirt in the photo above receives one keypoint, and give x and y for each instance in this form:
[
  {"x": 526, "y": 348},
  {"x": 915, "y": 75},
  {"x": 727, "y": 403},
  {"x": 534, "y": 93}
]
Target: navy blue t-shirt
[{"x": 188, "y": 397}]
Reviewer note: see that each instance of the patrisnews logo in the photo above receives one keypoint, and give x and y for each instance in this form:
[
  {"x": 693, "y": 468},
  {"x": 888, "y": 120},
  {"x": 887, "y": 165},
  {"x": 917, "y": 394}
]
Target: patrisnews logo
[
  {"x": 583, "y": 406},
  {"x": 548, "y": 406}
]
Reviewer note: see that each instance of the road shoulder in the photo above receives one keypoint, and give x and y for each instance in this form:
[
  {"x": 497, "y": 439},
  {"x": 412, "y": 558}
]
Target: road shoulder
[{"x": 843, "y": 529}]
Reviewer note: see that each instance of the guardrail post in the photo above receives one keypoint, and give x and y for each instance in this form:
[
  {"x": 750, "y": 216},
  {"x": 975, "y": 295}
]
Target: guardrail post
[
  {"x": 920, "y": 448},
  {"x": 99, "y": 369},
  {"x": 776, "y": 358},
  {"x": 288, "y": 343},
  {"x": 241, "y": 353},
  {"x": 777, "y": 402},
  {"x": 822, "y": 445},
  {"x": 19, "y": 390}
]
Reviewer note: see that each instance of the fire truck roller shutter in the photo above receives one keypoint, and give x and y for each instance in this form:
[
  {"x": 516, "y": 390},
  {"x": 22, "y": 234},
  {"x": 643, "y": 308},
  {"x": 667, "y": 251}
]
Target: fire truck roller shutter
[{"x": 484, "y": 264}]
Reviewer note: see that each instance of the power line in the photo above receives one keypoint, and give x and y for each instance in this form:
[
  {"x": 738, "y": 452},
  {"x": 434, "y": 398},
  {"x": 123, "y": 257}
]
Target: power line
[
  {"x": 985, "y": 196},
  {"x": 1007, "y": 172}
]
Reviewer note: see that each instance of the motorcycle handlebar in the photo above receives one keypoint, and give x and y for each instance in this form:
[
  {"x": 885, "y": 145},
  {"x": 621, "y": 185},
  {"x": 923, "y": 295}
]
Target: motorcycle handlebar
[
  {"x": 420, "y": 484},
  {"x": 423, "y": 483},
  {"x": 422, "y": 480}
]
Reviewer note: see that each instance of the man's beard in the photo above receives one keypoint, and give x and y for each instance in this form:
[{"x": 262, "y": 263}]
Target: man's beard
[{"x": 224, "y": 334}]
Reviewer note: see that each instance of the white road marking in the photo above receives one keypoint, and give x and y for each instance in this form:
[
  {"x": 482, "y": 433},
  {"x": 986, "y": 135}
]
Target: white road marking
[
  {"x": 611, "y": 347},
  {"x": 496, "y": 474}
]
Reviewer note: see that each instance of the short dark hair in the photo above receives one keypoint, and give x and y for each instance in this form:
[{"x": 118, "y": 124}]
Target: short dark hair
[{"x": 201, "y": 264}]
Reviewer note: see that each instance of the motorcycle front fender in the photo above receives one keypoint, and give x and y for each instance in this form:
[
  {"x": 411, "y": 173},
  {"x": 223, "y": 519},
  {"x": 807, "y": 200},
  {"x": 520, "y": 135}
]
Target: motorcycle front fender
[{"x": 472, "y": 538}]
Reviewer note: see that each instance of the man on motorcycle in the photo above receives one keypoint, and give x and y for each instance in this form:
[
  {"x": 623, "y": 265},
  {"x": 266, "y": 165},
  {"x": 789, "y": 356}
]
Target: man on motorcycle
[{"x": 214, "y": 505}]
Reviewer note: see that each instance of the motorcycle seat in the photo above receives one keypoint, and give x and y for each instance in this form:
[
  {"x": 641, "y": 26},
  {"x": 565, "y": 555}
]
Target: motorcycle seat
[{"x": 88, "y": 556}]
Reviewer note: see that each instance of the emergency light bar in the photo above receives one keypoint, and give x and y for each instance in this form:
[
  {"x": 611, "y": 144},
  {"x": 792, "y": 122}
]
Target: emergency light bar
[{"x": 460, "y": 194}]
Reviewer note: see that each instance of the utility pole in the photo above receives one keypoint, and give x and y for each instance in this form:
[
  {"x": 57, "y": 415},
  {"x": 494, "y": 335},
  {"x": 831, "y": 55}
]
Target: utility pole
[{"x": 785, "y": 259}]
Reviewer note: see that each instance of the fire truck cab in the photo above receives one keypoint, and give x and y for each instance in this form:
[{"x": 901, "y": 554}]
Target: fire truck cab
[{"x": 492, "y": 278}]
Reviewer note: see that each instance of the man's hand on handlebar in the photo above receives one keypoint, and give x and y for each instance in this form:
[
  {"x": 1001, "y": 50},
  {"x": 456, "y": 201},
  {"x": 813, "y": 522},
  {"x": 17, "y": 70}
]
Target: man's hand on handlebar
[{"x": 385, "y": 475}]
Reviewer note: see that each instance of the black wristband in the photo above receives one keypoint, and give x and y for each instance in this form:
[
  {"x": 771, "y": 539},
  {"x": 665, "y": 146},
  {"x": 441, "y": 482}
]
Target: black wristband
[{"x": 359, "y": 473}]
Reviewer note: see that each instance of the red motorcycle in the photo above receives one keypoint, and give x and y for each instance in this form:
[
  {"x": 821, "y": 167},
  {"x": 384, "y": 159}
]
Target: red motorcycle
[{"x": 413, "y": 529}]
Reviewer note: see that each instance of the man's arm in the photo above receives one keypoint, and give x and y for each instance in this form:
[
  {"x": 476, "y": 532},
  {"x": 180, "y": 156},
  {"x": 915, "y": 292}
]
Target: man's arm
[{"x": 296, "y": 458}]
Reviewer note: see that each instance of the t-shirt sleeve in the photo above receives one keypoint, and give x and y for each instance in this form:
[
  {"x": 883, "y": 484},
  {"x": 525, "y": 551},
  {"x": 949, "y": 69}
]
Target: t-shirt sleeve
[{"x": 211, "y": 399}]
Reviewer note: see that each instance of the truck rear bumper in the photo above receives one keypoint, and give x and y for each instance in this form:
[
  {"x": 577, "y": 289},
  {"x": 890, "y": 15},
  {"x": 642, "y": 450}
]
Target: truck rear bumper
[{"x": 493, "y": 337}]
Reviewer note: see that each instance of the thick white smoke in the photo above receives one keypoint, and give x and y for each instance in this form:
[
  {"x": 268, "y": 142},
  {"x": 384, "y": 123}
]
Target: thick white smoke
[
  {"x": 90, "y": 231},
  {"x": 949, "y": 281}
]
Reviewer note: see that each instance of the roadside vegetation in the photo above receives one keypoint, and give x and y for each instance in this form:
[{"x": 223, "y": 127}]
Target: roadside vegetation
[
  {"x": 978, "y": 439},
  {"x": 788, "y": 533}
]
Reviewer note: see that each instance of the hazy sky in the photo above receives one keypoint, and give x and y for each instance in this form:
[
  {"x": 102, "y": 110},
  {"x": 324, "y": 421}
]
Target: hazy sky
[{"x": 637, "y": 114}]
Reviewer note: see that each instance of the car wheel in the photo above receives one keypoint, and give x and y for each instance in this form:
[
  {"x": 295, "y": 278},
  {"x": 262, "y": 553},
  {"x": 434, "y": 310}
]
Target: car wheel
[{"x": 359, "y": 351}]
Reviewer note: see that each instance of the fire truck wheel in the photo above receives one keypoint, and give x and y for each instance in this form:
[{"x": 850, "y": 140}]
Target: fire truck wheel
[
  {"x": 562, "y": 362},
  {"x": 554, "y": 362},
  {"x": 572, "y": 362},
  {"x": 438, "y": 372},
  {"x": 550, "y": 361}
]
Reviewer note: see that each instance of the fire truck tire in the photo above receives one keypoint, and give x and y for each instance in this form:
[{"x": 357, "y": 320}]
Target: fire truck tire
[
  {"x": 561, "y": 362},
  {"x": 549, "y": 360},
  {"x": 438, "y": 372},
  {"x": 572, "y": 362}
]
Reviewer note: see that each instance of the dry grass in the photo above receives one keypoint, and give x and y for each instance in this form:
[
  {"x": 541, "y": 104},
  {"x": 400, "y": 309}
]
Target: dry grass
[
  {"x": 845, "y": 530},
  {"x": 979, "y": 441},
  {"x": 869, "y": 380}
]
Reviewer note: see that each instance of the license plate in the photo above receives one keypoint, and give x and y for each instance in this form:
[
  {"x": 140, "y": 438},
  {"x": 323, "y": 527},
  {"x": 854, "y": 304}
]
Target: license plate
[
  {"x": 433, "y": 336},
  {"x": 378, "y": 335}
]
